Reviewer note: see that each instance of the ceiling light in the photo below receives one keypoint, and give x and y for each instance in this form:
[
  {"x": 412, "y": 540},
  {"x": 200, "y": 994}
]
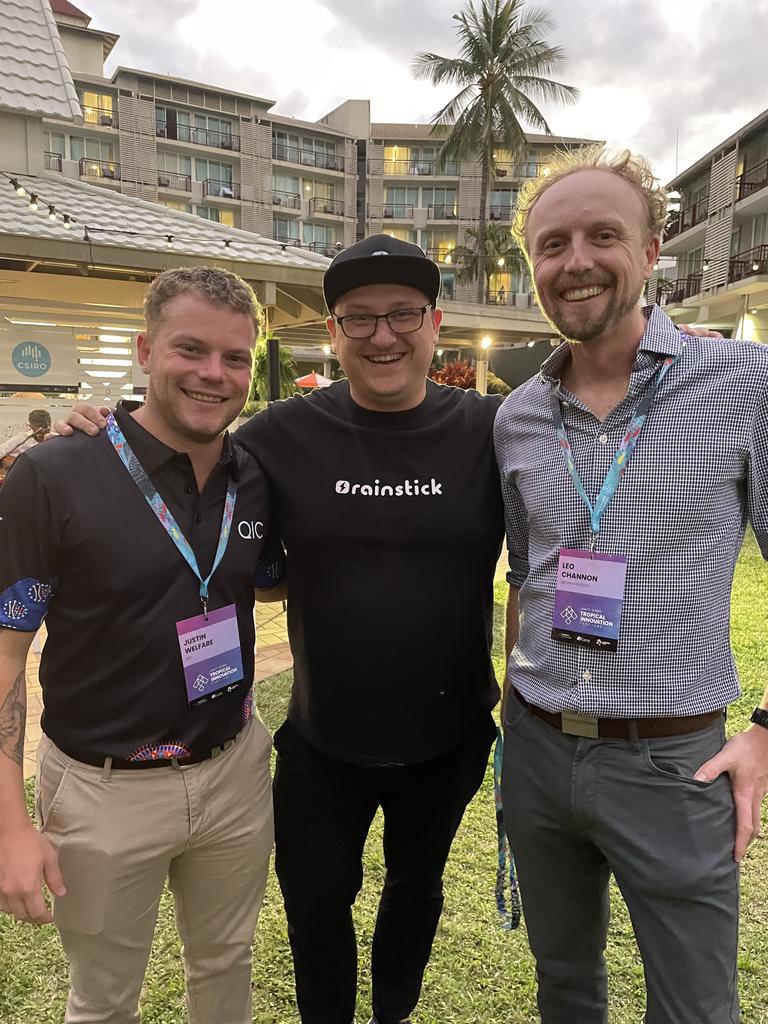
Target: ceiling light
[{"x": 486, "y": 342}]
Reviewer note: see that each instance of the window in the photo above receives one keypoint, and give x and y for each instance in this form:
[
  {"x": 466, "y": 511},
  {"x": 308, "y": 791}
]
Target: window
[
  {"x": 503, "y": 202},
  {"x": 448, "y": 284},
  {"x": 173, "y": 204},
  {"x": 438, "y": 243},
  {"x": 317, "y": 234},
  {"x": 93, "y": 149},
  {"x": 319, "y": 189},
  {"x": 174, "y": 162},
  {"x": 217, "y": 216},
  {"x": 214, "y": 169},
  {"x": 441, "y": 203},
  {"x": 97, "y": 108},
  {"x": 288, "y": 183},
  {"x": 404, "y": 234},
  {"x": 285, "y": 146},
  {"x": 53, "y": 142},
  {"x": 397, "y": 197},
  {"x": 283, "y": 227}
]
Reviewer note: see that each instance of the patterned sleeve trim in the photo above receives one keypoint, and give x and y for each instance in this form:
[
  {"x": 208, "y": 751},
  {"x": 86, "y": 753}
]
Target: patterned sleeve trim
[{"x": 24, "y": 604}]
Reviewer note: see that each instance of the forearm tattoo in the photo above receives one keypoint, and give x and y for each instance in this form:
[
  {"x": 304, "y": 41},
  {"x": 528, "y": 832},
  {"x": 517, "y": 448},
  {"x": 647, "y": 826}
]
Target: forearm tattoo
[{"x": 13, "y": 720}]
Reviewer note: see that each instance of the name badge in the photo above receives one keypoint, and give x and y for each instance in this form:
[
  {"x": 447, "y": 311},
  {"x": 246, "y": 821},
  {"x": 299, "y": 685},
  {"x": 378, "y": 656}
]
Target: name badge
[
  {"x": 588, "y": 599},
  {"x": 210, "y": 654}
]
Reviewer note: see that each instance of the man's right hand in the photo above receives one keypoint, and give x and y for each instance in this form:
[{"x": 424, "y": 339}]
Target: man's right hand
[
  {"x": 27, "y": 861},
  {"x": 87, "y": 418}
]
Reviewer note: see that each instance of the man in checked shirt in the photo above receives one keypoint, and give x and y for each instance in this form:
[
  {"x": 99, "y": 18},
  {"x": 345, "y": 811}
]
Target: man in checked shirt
[{"x": 621, "y": 567}]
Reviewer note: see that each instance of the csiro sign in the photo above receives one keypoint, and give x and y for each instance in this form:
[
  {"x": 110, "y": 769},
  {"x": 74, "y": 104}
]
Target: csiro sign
[{"x": 31, "y": 359}]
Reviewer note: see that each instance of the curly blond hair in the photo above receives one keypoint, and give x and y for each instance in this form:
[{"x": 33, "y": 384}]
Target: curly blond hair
[
  {"x": 635, "y": 170},
  {"x": 219, "y": 287}
]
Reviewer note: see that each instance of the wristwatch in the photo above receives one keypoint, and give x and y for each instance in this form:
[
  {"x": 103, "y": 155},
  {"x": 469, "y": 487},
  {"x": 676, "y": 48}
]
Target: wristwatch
[{"x": 760, "y": 717}]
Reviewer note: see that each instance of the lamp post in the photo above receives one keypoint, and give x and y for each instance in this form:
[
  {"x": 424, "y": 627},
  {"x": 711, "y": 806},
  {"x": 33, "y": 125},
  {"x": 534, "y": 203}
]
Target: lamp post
[{"x": 481, "y": 382}]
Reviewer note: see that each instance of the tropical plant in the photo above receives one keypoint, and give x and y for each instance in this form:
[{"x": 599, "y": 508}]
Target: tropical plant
[
  {"x": 459, "y": 374},
  {"x": 260, "y": 382},
  {"x": 501, "y": 254},
  {"x": 497, "y": 386},
  {"x": 502, "y": 70}
]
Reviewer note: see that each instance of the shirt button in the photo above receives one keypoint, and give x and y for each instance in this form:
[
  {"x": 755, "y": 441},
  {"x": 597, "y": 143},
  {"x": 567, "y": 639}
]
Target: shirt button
[
  {"x": 198, "y": 519},
  {"x": 188, "y": 489},
  {"x": 603, "y": 439},
  {"x": 586, "y": 676}
]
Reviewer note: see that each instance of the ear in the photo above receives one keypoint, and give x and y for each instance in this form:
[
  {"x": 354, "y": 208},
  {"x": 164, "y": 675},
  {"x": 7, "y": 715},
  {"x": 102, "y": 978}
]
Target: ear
[
  {"x": 143, "y": 350},
  {"x": 652, "y": 255},
  {"x": 332, "y": 328}
]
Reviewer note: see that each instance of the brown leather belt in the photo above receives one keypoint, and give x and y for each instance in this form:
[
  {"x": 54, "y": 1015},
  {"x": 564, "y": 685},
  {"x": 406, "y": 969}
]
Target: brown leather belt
[{"x": 618, "y": 728}]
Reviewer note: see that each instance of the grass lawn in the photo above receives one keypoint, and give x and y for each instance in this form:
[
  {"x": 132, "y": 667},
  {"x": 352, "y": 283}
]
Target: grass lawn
[{"x": 478, "y": 973}]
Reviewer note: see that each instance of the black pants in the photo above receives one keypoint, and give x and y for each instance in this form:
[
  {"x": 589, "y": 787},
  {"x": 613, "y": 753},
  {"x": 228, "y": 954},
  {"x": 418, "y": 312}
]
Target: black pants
[{"x": 323, "y": 811}]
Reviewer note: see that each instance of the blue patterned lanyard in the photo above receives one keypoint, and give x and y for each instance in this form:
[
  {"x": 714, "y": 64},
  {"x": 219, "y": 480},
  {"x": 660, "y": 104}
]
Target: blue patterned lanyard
[
  {"x": 509, "y": 914},
  {"x": 164, "y": 514},
  {"x": 622, "y": 456}
]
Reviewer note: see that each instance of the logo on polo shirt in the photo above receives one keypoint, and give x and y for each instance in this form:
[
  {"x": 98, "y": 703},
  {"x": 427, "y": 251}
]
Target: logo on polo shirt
[
  {"x": 405, "y": 489},
  {"x": 250, "y": 530}
]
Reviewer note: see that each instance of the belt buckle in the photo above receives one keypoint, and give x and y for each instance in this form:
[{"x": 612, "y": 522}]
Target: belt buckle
[{"x": 579, "y": 725}]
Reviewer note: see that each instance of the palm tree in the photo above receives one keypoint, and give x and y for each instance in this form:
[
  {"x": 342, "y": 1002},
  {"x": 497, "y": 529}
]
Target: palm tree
[
  {"x": 502, "y": 69},
  {"x": 501, "y": 253}
]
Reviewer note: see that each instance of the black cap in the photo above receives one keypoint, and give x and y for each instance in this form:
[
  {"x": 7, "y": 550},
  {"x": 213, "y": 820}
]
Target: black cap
[{"x": 381, "y": 259}]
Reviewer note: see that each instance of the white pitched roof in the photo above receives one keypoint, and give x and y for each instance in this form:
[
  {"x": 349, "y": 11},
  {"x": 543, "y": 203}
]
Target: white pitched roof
[
  {"x": 34, "y": 74},
  {"x": 129, "y": 223}
]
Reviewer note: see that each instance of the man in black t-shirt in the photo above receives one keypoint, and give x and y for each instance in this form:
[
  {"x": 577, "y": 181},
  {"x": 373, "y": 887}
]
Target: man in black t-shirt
[
  {"x": 387, "y": 499},
  {"x": 151, "y": 764}
]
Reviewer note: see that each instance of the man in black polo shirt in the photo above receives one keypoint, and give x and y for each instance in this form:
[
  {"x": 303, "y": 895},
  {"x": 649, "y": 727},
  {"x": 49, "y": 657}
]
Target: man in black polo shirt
[
  {"x": 131, "y": 545},
  {"x": 387, "y": 498}
]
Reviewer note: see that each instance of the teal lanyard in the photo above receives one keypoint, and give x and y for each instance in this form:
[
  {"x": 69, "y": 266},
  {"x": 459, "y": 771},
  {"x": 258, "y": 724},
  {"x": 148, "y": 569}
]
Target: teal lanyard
[
  {"x": 622, "y": 456},
  {"x": 509, "y": 912},
  {"x": 164, "y": 514}
]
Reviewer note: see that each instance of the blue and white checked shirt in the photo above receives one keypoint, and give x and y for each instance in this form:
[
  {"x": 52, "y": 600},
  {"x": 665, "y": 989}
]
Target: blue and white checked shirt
[{"x": 698, "y": 474}]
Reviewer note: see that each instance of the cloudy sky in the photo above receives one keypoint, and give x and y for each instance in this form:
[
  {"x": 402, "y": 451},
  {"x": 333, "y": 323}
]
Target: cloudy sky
[{"x": 670, "y": 78}]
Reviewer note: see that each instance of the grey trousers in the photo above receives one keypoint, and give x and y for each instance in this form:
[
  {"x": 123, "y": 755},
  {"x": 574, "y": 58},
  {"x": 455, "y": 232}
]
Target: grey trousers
[{"x": 578, "y": 810}]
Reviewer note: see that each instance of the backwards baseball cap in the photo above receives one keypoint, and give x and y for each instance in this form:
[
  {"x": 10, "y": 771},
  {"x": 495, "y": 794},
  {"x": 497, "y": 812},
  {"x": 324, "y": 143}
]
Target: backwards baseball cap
[{"x": 381, "y": 259}]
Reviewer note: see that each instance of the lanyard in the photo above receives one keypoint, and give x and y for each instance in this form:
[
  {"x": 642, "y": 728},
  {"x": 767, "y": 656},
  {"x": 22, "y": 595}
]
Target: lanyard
[
  {"x": 622, "y": 456},
  {"x": 164, "y": 514},
  {"x": 509, "y": 913}
]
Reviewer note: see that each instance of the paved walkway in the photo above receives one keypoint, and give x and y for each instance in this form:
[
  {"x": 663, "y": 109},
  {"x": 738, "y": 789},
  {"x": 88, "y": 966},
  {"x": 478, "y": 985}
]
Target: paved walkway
[{"x": 272, "y": 656}]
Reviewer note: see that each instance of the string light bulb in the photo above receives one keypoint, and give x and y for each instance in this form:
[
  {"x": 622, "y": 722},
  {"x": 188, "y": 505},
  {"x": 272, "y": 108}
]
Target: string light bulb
[
  {"x": 67, "y": 221},
  {"x": 52, "y": 212},
  {"x": 33, "y": 200},
  {"x": 18, "y": 188},
  {"x": 169, "y": 240}
]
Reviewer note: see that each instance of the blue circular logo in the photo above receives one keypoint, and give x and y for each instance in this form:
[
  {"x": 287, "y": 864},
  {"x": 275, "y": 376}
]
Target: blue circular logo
[{"x": 31, "y": 359}]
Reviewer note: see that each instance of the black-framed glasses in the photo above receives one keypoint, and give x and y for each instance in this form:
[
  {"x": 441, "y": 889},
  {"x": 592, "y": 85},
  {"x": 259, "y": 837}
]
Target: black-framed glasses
[{"x": 400, "y": 321}]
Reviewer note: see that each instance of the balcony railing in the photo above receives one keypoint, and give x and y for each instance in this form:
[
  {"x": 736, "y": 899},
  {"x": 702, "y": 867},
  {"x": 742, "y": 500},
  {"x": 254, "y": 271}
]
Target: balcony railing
[
  {"x": 505, "y": 298},
  {"x": 104, "y": 116},
  {"x": 680, "y": 289},
  {"x": 748, "y": 264},
  {"x": 319, "y": 206},
  {"x": 752, "y": 181},
  {"x": 526, "y": 169},
  {"x": 407, "y": 168},
  {"x": 52, "y": 161},
  {"x": 687, "y": 218},
  {"x": 291, "y": 200},
  {"x": 501, "y": 211},
  {"x": 442, "y": 211},
  {"x": 221, "y": 189},
  {"x": 285, "y": 240},
  {"x": 441, "y": 254},
  {"x": 171, "y": 179},
  {"x": 99, "y": 169},
  {"x": 324, "y": 248},
  {"x": 307, "y": 157},
  {"x": 198, "y": 136},
  {"x": 397, "y": 211}
]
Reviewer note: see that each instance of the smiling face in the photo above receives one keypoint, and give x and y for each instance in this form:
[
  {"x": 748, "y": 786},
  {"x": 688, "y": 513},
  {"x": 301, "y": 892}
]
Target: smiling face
[
  {"x": 592, "y": 253},
  {"x": 387, "y": 372},
  {"x": 199, "y": 358}
]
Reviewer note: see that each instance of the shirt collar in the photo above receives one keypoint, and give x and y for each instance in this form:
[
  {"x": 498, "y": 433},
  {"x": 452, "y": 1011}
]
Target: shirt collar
[
  {"x": 153, "y": 454},
  {"x": 661, "y": 337}
]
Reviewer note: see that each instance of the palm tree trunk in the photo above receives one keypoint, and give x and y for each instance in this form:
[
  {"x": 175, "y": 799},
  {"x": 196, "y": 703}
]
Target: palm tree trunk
[{"x": 482, "y": 226}]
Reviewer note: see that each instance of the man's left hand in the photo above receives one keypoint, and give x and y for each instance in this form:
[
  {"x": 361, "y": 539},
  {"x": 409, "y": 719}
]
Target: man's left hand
[{"x": 745, "y": 758}]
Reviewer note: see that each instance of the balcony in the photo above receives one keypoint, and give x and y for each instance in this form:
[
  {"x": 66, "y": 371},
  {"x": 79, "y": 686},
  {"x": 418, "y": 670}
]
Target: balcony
[
  {"x": 170, "y": 179},
  {"x": 289, "y": 200},
  {"x": 52, "y": 161},
  {"x": 748, "y": 264},
  {"x": 752, "y": 181},
  {"x": 687, "y": 218},
  {"x": 105, "y": 117},
  {"x": 329, "y": 249},
  {"x": 505, "y": 298},
  {"x": 99, "y": 169},
  {"x": 307, "y": 157},
  {"x": 284, "y": 240},
  {"x": 410, "y": 168},
  {"x": 440, "y": 255},
  {"x": 677, "y": 291},
  {"x": 319, "y": 207},
  {"x": 526, "y": 169},
  {"x": 221, "y": 189},
  {"x": 501, "y": 212},
  {"x": 198, "y": 136},
  {"x": 442, "y": 211},
  {"x": 397, "y": 211}
]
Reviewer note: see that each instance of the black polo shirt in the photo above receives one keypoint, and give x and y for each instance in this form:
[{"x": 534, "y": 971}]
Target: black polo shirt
[{"x": 80, "y": 546}]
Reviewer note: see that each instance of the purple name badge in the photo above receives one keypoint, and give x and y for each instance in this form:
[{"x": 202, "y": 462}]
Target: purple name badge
[
  {"x": 588, "y": 599},
  {"x": 210, "y": 654}
]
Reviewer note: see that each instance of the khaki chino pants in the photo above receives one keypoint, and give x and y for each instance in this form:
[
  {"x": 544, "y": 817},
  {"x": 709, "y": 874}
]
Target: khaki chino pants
[{"x": 206, "y": 828}]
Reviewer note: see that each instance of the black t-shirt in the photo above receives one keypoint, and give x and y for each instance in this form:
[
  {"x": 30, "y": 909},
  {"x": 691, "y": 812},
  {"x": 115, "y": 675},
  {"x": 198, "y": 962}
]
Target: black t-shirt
[
  {"x": 79, "y": 541},
  {"x": 393, "y": 524}
]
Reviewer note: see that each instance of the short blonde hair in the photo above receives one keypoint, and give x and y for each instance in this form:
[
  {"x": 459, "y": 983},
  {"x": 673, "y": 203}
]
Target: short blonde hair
[
  {"x": 219, "y": 287},
  {"x": 635, "y": 170}
]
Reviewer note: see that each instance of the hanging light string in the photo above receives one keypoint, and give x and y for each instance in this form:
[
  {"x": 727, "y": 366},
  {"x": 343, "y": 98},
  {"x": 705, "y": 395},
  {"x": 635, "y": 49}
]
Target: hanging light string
[{"x": 36, "y": 202}]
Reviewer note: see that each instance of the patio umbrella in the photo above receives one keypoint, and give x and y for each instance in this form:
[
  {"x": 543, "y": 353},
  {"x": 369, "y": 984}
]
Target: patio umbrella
[{"x": 313, "y": 380}]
